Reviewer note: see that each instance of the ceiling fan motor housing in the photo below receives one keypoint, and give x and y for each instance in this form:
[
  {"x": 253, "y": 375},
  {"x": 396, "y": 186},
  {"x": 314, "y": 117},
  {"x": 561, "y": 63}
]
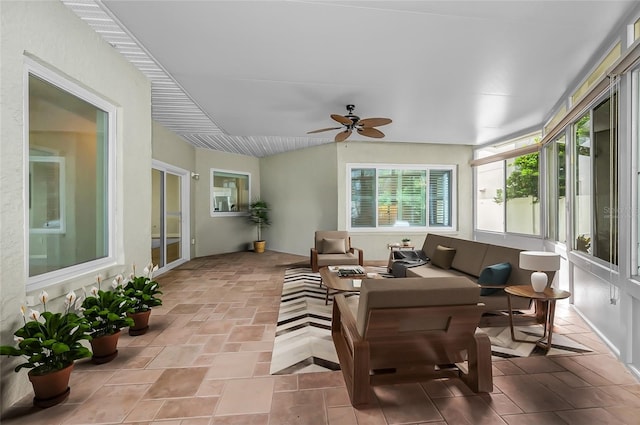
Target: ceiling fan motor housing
[{"x": 354, "y": 118}]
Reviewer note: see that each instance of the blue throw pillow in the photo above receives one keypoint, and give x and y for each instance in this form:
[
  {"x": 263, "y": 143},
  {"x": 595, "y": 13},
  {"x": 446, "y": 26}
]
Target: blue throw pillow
[{"x": 497, "y": 274}]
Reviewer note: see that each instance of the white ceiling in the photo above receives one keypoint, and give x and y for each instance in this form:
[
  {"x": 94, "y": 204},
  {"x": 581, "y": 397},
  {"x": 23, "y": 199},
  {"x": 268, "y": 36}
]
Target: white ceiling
[{"x": 266, "y": 72}]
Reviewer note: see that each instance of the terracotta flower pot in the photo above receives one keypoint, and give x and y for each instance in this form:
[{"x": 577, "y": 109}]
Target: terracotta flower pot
[
  {"x": 51, "y": 388},
  {"x": 141, "y": 323},
  {"x": 104, "y": 348}
]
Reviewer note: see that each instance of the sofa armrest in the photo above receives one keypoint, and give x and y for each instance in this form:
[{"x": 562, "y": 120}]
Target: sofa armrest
[
  {"x": 346, "y": 319},
  {"x": 314, "y": 259},
  {"x": 360, "y": 254}
]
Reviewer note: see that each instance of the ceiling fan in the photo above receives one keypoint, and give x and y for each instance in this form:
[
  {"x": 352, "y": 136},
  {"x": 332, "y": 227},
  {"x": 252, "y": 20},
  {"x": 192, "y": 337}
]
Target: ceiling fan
[{"x": 352, "y": 122}]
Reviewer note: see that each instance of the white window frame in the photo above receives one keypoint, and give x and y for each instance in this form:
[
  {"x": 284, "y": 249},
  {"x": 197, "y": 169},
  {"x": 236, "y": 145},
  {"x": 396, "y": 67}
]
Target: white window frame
[
  {"x": 44, "y": 280},
  {"x": 403, "y": 229},
  {"x": 212, "y": 202}
]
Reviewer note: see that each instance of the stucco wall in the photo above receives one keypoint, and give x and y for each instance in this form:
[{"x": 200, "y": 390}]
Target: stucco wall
[
  {"x": 52, "y": 35},
  {"x": 307, "y": 190},
  {"x": 300, "y": 187},
  {"x": 217, "y": 235}
]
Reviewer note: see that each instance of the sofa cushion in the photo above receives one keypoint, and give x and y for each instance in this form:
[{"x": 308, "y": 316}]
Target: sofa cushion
[
  {"x": 429, "y": 270},
  {"x": 443, "y": 257},
  {"x": 469, "y": 256},
  {"x": 496, "y": 274},
  {"x": 333, "y": 246}
]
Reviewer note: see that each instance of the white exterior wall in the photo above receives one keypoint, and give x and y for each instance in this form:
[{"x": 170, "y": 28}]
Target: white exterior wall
[{"x": 51, "y": 34}]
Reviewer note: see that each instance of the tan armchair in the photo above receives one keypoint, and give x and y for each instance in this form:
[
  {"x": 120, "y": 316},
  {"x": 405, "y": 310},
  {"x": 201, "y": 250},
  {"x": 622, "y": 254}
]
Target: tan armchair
[
  {"x": 333, "y": 248},
  {"x": 411, "y": 330}
]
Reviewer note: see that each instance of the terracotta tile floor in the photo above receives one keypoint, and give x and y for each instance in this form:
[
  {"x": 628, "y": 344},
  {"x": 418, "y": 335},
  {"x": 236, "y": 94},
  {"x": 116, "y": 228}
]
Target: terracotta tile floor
[{"x": 205, "y": 361}]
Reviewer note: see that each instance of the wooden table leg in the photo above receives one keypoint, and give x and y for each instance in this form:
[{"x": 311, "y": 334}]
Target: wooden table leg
[
  {"x": 513, "y": 335},
  {"x": 548, "y": 326}
]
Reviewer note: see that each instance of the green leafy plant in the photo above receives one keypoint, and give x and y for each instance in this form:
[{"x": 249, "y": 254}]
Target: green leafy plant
[
  {"x": 107, "y": 311},
  {"x": 583, "y": 243},
  {"x": 523, "y": 180},
  {"x": 406, "y": 240},
  {"x": 259, "y": 215},
  {"x": 142, "y": 290},
  {"x": 50, "y": 341}
]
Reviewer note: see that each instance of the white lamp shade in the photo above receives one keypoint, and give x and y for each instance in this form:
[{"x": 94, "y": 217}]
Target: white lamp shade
[{"x": 539, "y": 261}]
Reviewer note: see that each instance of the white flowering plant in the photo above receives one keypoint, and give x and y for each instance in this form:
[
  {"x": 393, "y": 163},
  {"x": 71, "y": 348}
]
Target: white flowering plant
[
  {"x": 107, "y": 311},
  {"x": 50, "y": 341},
  {"x": 142, "y": 290}
]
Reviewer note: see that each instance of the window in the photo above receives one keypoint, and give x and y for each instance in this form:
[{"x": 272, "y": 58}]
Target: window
[
  {"x": 507, "y": 186},
  {"x": 522, "y": 200},
  {"x": 556, "y": 189},
  {"x": 388, "y": 197},
  {"x": 69, "y": 150},
  {"x": 230, "y": 194},
  {"x": 490, "y": 197},
  {"x": 596, "y": 183}
]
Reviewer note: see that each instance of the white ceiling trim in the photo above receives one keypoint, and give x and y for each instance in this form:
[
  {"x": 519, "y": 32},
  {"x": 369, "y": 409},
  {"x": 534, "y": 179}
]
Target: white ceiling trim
[{"x": 170, "y": 105}]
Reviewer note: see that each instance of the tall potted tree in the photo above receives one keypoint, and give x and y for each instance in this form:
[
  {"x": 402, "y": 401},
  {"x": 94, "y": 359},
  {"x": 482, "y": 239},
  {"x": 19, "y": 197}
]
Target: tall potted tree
[{"x": 259, "y": 216}]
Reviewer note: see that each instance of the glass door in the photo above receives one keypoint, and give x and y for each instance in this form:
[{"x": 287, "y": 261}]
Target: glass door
[{"x": 167, "y": 233}]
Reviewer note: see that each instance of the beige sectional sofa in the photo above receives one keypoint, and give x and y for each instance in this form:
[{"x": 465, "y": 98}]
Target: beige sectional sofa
[{"x": 469, "y": 260}]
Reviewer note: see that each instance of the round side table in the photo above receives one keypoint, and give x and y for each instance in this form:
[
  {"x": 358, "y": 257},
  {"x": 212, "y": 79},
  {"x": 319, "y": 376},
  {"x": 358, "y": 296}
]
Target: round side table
[{"x": 549, "y": 296}]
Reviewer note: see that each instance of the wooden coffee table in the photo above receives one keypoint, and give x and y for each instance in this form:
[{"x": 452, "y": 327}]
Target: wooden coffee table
[
  {"x": 332, "y": 281},
  {"x": 549, "y": 296}
]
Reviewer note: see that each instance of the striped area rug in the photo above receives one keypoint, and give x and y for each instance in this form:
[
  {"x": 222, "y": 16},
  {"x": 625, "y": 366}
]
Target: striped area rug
[{"x": 303, "y": 334}]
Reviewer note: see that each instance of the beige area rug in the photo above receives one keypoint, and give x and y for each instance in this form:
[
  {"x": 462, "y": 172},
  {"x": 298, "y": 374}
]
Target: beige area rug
[{"x": 303, "y": 341}]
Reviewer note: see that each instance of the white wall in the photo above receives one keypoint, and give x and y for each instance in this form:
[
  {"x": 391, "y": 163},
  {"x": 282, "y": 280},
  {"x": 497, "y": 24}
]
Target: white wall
[
  {"x": 51, "y": 34},
  {"x": 301, "y": 188},
  {"x": 217, "y": 235}
]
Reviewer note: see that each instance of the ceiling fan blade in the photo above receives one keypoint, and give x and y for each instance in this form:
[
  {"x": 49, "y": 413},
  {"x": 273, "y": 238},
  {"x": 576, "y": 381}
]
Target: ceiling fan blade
[
  {"x": 341, "y": 119},
  {"x": 374, "y": 122},
  {"x": 323, "y": 129},
  {"x": 342, "y": 136},
  {"x": 371, "y": 132}
]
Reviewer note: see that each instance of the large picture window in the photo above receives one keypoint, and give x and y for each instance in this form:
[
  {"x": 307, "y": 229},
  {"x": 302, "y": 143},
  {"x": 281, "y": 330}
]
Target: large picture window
[
  {"x": 68, "y": 202},
  {"x": 388, "y": 197}
]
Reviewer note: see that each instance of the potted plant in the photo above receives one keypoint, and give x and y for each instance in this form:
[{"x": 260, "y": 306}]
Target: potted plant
[
  {"x": 259, "y": 216},
  {"x": 50, "y": 343},
  {"x": 406, "y": 241},
  {"x": 142, "y": 291},
  {"x": 106, "y": 312}
]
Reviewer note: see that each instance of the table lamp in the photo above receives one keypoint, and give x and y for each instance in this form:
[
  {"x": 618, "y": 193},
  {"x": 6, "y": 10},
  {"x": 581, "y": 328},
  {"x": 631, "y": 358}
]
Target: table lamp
[{"x": 540, "y": 262}]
